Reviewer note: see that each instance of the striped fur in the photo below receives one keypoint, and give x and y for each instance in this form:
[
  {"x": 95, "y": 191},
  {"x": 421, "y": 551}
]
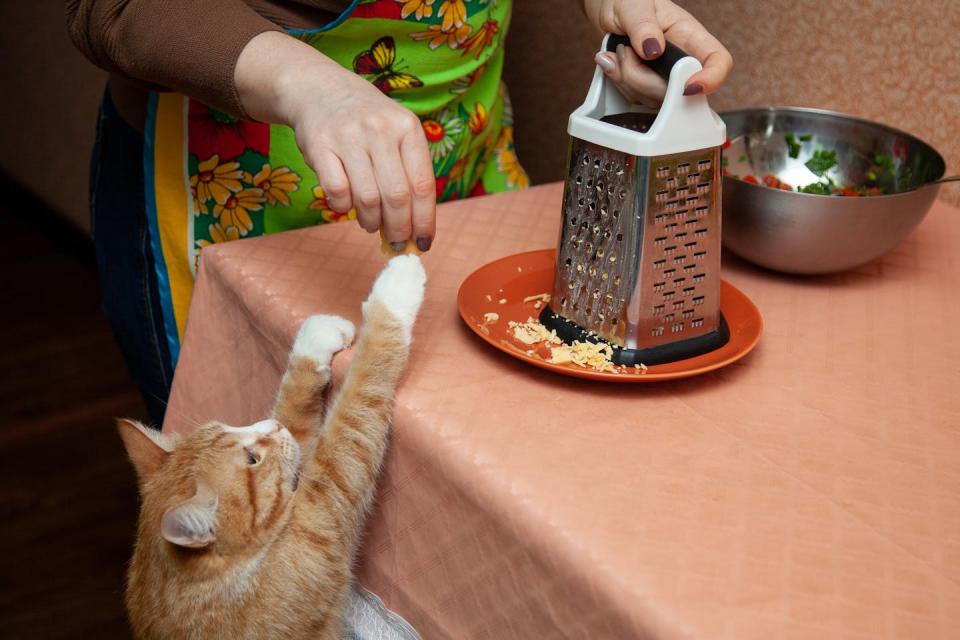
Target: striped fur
[{"x": 276, "y": 560}]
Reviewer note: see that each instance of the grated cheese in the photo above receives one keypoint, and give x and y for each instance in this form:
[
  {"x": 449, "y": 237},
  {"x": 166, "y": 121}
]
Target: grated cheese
[{"x": 532, "y": 332}]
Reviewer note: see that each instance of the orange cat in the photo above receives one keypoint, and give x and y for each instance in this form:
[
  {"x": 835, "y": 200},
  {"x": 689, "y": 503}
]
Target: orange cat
[{"x": 250, "y": 532}]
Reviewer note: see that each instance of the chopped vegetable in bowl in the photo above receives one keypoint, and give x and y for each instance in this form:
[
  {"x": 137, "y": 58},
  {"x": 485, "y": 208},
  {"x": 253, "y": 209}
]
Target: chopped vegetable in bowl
[{"x": 880, "y": 178}]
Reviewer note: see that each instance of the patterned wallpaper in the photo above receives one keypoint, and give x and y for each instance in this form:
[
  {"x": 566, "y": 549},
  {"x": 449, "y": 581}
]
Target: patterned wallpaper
[{"x": 893, "y": 61}]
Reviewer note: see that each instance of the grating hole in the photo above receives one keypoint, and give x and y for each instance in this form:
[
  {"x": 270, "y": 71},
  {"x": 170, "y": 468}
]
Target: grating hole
[
  {"x": 599, "y": 253},
  {"x": 589, "y": 311},
  {"x": 568, "y": 261},
  {"x": 586, "y": 159},
  {"x": 616, "y": 281},
  {"x": 581, "y": 202},
  {"x": 613, "y": 257},
  {"x": 616, "y": 213},
  {"x": 590, "y": 182},
  {"x": 599, "y": 186},
  {"x": 596, "y": 164},
  {"x": 613, "y": 321},
  {"x": 563, "y": 302},
  {"x": 604, "y": 275},
  {"x": 576, "y": 307},
  {"x": 593, "y": 206},
  {"x": 619, "y": 237}
]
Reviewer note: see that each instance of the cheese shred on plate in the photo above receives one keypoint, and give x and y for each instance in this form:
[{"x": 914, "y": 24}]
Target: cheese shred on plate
[
  {"x": 589, "y": 355},
  {"x": 532, "y": 332}
]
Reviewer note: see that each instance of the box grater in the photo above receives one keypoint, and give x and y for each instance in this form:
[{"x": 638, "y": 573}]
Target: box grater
[{"x": 638, "y": 260}]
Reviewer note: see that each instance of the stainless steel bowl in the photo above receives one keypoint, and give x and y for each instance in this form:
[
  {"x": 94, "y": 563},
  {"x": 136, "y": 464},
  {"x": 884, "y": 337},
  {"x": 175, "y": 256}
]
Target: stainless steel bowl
[{"x": 815, "y": 234}]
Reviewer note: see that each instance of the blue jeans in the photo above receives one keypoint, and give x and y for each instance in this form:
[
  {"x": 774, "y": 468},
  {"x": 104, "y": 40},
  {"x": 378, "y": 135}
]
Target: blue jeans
[{"x": 128, "y": 281}]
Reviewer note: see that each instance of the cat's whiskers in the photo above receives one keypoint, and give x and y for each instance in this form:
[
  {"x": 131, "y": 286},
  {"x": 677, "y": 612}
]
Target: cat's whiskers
[{"x": 192, "y": 421}]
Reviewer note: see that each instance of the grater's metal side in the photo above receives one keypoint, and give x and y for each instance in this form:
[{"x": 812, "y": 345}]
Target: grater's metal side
[{"x": 639, "y": 251}]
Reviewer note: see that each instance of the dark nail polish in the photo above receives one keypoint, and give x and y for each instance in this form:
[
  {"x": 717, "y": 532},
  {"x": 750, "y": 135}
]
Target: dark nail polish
[
  {"x": 651, "y": 48},
  {"x": 693, "y": 89},
  {"x": 424, "y": 242},
  {"x": 398, "y": 246}
]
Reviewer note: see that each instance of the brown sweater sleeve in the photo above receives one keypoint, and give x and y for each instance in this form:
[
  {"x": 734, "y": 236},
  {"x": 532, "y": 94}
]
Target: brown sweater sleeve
[{"x": 189, "y": 46}]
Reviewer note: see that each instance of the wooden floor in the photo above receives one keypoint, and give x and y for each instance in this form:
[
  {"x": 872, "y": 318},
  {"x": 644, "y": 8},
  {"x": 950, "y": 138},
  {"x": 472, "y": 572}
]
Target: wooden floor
[{"x": 68, "y": 498}]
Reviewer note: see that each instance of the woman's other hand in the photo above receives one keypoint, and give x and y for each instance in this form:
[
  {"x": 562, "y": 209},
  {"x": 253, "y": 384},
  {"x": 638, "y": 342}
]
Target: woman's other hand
[
  {"x": 368, "y": 151},
  {"x": 648, "y": 23}
]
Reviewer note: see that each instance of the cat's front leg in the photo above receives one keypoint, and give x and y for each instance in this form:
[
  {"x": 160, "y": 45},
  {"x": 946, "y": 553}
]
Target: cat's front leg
[{"x": 299, "y": 404}]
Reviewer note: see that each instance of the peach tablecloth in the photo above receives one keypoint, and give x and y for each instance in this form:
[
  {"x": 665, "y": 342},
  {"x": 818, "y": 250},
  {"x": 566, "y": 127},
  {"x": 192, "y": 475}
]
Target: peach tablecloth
[{"x": 811, "y": 490}]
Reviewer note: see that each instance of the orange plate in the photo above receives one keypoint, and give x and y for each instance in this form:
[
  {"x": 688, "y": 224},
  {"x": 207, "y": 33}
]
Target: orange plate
[{"x": 515, "y": 277}]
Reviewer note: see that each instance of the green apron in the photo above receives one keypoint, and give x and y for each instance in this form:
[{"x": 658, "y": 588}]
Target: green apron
[{"x": 212, "y": 178}]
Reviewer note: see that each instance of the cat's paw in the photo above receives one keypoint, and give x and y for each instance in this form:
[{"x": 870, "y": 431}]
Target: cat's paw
[
  {"x": 400, "y": 288},
  {"x": 322, "y": 336}
]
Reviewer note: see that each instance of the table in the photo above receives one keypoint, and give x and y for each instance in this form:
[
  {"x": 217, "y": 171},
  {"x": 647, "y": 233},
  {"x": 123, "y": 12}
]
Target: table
[{"x": 811, "y": 490}]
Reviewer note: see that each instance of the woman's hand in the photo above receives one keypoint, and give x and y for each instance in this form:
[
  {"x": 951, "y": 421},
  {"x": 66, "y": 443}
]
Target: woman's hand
[
  {"x": 369, "y": 152},
  {"x": 647, "y": 23}
]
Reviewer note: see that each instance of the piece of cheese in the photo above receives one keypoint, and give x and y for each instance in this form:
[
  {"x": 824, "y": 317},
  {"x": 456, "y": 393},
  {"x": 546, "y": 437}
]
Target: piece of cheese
[{"x": 390, "y": 252}]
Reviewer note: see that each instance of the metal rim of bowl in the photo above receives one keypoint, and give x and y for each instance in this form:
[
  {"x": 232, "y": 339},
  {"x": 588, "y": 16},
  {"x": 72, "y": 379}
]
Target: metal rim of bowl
[{"x": 848, "y": 118}]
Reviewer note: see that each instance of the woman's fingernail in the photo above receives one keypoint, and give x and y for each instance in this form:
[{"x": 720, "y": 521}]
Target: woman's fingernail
[
  {"x": 651, "y": 48},
  {"x": 605, "y": 63},
  {"x": 424, "y": 242},
  {"x": 693, "y": 89},
  {"x": 621, "y": 53},
  {"x": 398, "y": 246}
]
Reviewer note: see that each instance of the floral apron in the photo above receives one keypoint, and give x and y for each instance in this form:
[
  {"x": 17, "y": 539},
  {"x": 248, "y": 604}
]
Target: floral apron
[{"x": 212, "y": 178}]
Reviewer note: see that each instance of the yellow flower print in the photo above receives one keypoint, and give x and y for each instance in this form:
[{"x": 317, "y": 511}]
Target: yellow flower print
[
  {"x": 421, "y": 8},
  {"x": 320, "y": 204},
  {"x": 275, "y": 183},
  {"x": 438, "y": 37},
  {"x": 478, "y": 119},
  {"x": 235, "y": 211},
  {"x": 215, "y": 180},
  {"x": 454, "y": 13},
  {"x": 481, "y": 39},
  {"x": 218, "y": 234},
  {"x": 508, "y": 163}
]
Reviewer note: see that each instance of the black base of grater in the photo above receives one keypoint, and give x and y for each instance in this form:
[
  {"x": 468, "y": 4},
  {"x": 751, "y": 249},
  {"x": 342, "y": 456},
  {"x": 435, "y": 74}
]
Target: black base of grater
[{"x": 571, "y": 332}]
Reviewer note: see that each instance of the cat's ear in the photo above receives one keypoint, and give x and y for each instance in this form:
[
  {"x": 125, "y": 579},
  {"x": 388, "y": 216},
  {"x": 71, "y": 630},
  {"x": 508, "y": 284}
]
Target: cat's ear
[
  {"x": 147, "y": 448},
  {"x": 192, "y": 523}
]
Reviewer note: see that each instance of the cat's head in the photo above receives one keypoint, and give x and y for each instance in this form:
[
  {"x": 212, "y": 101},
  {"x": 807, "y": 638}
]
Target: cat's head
[{"x": 220, "y": 487}]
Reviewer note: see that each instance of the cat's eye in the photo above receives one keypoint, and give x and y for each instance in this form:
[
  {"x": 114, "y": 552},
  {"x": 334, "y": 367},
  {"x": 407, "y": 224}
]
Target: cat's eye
[{"x": 253, "y": 458}]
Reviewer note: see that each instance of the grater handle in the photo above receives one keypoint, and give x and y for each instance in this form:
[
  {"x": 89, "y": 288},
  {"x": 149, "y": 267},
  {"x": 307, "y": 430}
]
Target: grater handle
[
  {"x": 662, "y": 65},
  {"x": 683, "y": 123}
]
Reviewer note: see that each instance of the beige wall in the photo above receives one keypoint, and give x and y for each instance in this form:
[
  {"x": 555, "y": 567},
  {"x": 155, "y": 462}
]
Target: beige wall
[{"x": 895, "y": 61}]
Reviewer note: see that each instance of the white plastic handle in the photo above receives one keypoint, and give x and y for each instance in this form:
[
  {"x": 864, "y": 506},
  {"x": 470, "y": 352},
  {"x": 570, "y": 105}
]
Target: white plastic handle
[{"x": 684, "y": 123}]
